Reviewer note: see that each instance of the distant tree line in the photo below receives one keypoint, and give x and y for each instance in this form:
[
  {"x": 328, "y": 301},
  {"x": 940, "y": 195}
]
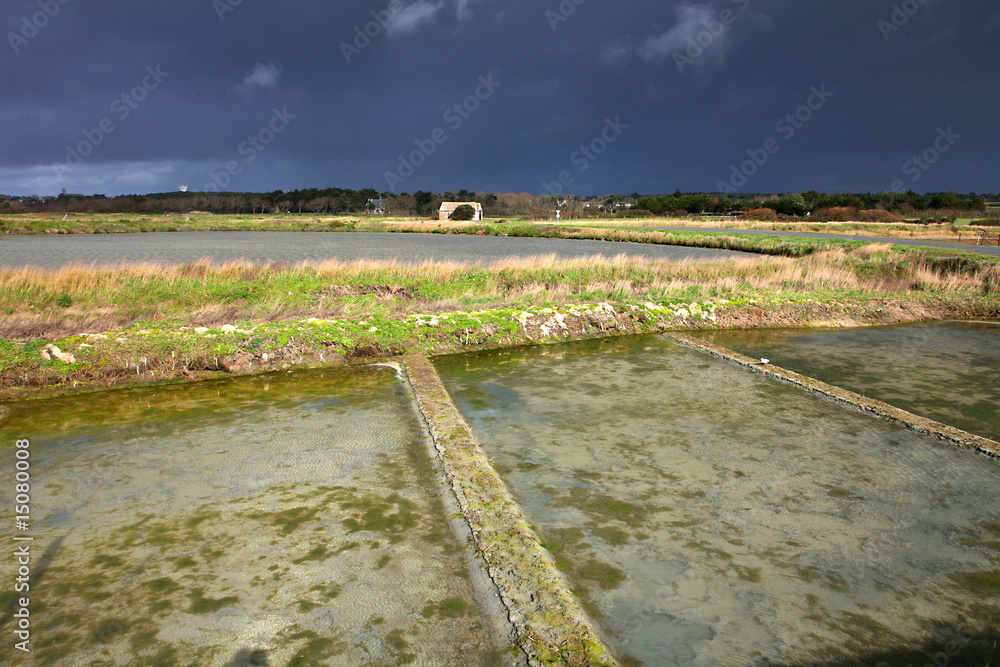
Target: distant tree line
[
  {"x": 881, "y": 206},
  {"x": 806, "y": 203},
  {"x": 313, "y": 200}
]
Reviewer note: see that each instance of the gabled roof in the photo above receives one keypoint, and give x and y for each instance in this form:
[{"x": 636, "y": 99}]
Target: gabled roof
[{"x": 456, "y": 204}]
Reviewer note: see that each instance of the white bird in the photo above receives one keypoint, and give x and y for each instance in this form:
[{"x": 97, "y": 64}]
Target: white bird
[{"x": 764, "y": 361}]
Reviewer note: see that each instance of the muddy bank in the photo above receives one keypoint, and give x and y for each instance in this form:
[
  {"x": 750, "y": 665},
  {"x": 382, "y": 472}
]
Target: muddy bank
[{"x": 94, "y": 361}]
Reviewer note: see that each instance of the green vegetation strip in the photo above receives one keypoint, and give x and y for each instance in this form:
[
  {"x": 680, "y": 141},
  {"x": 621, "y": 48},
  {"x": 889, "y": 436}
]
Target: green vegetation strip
[
  {"x": 550, "y": 624},
  {"x": 727, "y": 237},
  {"x": 723, "y": 239},
  {"x": 85, "y": 326},
  {"x": 786, "y": 246},
  {"x": 870, "y": 405}
]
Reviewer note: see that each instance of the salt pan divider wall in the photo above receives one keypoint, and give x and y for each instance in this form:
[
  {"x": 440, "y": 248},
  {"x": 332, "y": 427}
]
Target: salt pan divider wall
[{"x": 549, "y": 621}]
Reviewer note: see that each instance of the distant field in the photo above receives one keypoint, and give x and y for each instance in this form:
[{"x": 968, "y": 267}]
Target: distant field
[
  {"x": 82, "y": 223},
  {"x": 958, "y": 232}
]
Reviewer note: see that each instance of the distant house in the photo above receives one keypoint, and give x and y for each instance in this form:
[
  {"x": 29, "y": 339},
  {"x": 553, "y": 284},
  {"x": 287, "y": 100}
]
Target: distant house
[{"x": 448, "y": 207}]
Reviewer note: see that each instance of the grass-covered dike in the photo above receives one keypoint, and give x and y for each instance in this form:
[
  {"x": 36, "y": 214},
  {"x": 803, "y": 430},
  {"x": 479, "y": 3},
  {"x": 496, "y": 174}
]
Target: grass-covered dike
[
  {"x": 83, "y": 327},
  {"x": 47, "y": 223}
]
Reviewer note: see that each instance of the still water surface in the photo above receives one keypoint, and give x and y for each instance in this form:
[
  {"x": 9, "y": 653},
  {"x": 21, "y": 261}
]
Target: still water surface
[
  {"x": 708, "y": 515},
  {"x": 288, "y": 519},
  {"x": 949, "y": 372},
  {"x": 292, "y": 247}
]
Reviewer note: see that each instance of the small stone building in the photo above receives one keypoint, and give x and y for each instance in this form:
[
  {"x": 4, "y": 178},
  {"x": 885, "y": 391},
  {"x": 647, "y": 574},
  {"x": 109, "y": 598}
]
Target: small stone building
[{"x": 448, "y": 207}]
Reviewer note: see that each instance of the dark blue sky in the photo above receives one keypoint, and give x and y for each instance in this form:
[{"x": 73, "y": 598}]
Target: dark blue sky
[{"x": 127, "y": 96}]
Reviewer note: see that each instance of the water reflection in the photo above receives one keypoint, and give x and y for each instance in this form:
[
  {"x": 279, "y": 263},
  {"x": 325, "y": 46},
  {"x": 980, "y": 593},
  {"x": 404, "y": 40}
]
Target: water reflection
[{"x": 710, "y": 516}]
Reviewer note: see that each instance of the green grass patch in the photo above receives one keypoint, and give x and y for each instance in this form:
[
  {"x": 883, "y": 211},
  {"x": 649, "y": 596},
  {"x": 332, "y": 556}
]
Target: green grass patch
[{"x": 144, "y": 324}]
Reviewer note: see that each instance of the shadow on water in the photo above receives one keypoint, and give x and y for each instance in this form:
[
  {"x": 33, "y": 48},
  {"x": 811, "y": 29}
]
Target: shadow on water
[
  {"x": 248, "y": 658},
  {"x": 8, "y": 602},
  {"x": 947, "y": 646}
]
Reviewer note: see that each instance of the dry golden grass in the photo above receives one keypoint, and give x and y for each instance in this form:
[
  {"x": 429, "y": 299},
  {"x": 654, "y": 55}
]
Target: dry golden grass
[
  {"x": 80, "y": 298},
  {"x": 837, "y": 267}
]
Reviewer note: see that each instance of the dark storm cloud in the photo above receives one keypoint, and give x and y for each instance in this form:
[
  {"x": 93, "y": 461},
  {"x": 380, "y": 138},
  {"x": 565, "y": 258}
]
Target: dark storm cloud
[{"x": 369, "y": 88}]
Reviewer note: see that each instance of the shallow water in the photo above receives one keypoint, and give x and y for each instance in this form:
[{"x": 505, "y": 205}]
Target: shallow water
[
  {"x": 290, "y": 519},
  {"x": 949, "y": 372},
  {"x": 707, "y": 515},
  {"x": 293, "y": 247}
]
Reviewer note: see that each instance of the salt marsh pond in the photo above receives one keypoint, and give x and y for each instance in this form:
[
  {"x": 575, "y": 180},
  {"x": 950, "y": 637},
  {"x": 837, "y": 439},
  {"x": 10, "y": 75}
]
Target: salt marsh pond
[
  {"x": 289, "y": 519},
  {"x": 949, "y": 372},
  {"x": 704, "y": 515},
  {"x": 707, "y": 515}
]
